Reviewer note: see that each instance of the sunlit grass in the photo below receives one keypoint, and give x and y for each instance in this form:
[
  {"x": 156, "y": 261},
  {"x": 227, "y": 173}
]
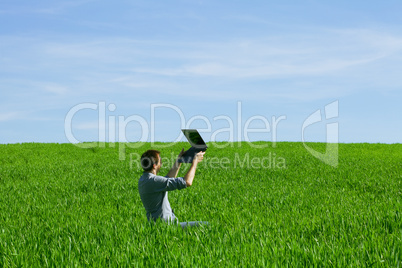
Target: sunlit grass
[{"x": 62, "y": 205}]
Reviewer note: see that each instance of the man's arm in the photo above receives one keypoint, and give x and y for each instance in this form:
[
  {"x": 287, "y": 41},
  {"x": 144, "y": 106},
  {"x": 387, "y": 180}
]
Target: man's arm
[
  {"x": 191, "y": 172},
  {"x": 176, "y": 166}
]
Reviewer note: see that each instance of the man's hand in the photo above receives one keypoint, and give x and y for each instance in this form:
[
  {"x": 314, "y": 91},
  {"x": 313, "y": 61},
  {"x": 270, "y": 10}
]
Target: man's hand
[
  {"x": 198, "y": 157},
  {"x": 181, "y": 153}
]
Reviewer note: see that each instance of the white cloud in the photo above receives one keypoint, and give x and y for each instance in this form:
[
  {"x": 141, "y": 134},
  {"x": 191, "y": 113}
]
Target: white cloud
[
  {"x": 9, "y": 116},
  {"x": 89, "y": 125},
  {"x": 55, "y": 88},
  {"x": 102, "y": 67},
  {"x": 50, "y": 8},
  {"x": 284, "y": 55}
]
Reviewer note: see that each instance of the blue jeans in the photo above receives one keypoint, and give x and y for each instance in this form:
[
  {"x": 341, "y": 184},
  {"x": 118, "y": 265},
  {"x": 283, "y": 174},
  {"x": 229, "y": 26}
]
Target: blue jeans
[{"x": 192, "y": 223}]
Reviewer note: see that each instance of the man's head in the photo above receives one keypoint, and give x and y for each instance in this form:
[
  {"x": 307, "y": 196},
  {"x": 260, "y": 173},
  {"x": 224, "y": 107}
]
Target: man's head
[{"x": 151, "y": 160}]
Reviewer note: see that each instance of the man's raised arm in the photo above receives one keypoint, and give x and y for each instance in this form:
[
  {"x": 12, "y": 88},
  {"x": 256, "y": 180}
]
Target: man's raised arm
[
  {"x": 191, "y": 172},
  {"x": 176, "y": 166}
]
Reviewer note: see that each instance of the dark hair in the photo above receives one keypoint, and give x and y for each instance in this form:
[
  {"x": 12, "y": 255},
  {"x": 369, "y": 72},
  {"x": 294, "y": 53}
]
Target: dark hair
[{"x": 149, "y": 158}]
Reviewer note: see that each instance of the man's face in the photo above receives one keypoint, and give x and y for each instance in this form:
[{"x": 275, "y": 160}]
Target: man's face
[{"x": 158, "y": 166}]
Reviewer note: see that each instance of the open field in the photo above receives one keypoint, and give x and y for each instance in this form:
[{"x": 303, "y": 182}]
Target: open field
[{"x": 63, "y": 205}]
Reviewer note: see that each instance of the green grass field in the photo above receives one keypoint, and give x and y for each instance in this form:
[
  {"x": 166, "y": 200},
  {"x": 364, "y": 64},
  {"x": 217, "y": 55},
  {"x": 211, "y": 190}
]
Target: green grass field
[{"x": 61, "y": 205}]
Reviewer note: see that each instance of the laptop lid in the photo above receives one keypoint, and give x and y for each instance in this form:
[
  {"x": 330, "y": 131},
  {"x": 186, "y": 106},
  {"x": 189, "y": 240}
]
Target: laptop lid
[{"x": 194, "y": 138}]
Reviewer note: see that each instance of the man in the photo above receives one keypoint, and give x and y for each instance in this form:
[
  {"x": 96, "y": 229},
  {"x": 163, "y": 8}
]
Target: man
[{"x": 154, "y": 189}]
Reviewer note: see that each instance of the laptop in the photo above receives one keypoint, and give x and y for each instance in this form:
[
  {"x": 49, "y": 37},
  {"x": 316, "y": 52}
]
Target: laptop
[{"x": 197, "y": 145}]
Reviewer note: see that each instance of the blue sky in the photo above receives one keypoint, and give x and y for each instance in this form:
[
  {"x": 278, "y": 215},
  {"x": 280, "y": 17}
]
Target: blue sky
[{"x": 207, "y": 59}]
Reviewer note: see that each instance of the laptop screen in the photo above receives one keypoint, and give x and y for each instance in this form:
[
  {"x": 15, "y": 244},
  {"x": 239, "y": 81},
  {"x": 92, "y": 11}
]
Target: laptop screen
[{"x": 194, "y": 138}]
